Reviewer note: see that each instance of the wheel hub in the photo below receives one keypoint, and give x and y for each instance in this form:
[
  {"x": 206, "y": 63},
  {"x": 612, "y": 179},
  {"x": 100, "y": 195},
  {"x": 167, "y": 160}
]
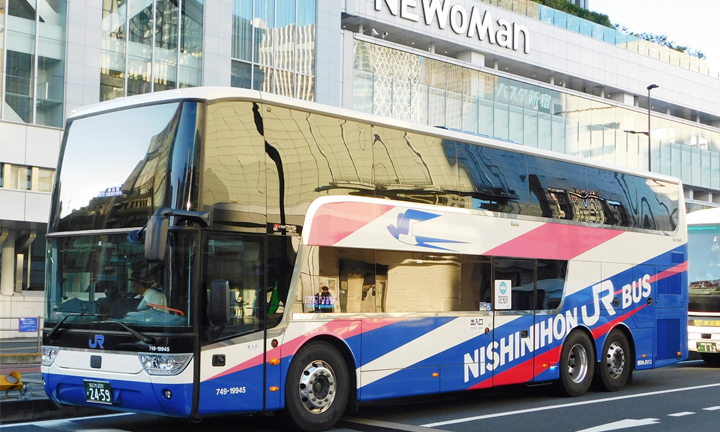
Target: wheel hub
[
  {"x": 577, "y": 363},
  {"x": 317, "y": 386},
  {"x": 615, "y": 360}
]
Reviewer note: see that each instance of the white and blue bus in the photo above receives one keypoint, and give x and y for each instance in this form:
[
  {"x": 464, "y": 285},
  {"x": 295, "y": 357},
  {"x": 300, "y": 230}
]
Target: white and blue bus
[
  {"x": 704, "y": 277},
  {"x": 215, "y": 251}
]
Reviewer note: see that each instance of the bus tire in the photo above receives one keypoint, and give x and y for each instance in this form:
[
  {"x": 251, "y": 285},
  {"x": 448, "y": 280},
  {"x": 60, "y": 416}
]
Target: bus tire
[
  {"x": 317, "y": 387},
  {"x": 711, "y": 358},
  {"x": 615, "y": 364},
  {"x": 577, "y": 365}
]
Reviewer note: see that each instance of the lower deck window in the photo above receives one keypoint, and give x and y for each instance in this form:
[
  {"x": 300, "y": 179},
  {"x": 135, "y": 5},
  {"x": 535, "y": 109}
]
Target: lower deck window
[{"x": 345, "y": 280}]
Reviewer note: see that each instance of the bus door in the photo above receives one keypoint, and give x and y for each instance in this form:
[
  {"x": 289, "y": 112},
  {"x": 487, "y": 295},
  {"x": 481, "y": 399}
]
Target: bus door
[
  {"x": 514, "y": 305},
  {"x": 232, "y": 360}
]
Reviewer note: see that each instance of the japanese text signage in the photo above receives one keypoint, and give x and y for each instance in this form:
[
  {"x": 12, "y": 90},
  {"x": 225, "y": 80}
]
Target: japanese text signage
[
  {"x": 27, "y": 325},
  {"x": 526, "y": 96}
]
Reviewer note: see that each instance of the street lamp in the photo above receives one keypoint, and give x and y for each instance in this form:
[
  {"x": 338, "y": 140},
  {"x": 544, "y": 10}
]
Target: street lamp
[{"x": 650, "y": 87}]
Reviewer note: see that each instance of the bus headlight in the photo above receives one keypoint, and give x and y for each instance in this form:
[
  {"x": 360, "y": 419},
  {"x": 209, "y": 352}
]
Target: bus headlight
[
  {"x": 164, "y": 364},
  {"x": 49, "y": 354}
]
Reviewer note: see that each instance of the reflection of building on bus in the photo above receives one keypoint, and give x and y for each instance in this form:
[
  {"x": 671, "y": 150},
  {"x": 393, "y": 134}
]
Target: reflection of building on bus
[{"x": 311, "y": 248}]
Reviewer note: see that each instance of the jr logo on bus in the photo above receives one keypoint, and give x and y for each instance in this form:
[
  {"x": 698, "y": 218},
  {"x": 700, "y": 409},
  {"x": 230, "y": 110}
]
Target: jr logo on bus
[
  {"x": 403, "y": 229},
  {"x": 551, "y": 329},
  {"x": 99, "y": 341}
]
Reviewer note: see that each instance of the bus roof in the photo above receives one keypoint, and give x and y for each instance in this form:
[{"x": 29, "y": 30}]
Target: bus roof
[
  {"x": 214, "y": 94},
  {"x": 704, "y": 217}
]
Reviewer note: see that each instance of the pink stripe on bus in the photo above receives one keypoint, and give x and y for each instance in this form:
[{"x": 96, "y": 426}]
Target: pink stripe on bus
[
  {"x": 335, "y": 221},
  {"x": 672, "y": 271},
  {"x": 555, "y": 241},
  {"x": 342, "y": 328}
]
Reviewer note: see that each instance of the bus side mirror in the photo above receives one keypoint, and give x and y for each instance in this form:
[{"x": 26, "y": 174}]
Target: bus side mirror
[
  {"x": 219, "y": 302},
  {"x": 155, "y": 238}
]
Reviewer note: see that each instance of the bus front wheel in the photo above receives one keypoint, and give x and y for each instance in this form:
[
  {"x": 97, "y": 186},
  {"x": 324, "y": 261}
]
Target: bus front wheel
[
  {"x": 317, "y": 387},
  {"x": 577, "y": 365},
  {"x": 615, "y": 367}
]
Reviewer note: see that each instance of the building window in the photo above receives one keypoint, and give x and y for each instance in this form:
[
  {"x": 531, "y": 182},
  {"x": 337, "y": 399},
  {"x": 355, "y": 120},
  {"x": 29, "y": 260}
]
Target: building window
[
  {"x": 34, "y": 66},
  {"x": 45, "y": 180},
  {"x": 158, "y": 47},
  {"x": 273, "y": 47},
  {"x": 21, "y": 177},
  {"x": 12, "y": 180},
  {"x": 26, "y": 183}
]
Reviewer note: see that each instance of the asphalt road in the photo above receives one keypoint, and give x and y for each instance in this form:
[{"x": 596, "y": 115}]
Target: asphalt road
[{"x": 675, "y": 398}]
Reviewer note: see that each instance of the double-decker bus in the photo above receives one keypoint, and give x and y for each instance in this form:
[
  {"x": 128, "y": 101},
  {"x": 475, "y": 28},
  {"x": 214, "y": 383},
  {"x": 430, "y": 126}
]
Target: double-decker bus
[
  {"x": 704, "y": 277},
  {"x": 215, "y": 251}
]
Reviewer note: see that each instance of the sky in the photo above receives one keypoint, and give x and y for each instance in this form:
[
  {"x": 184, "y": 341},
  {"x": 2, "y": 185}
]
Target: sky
[{"x": 692, "y": 23}]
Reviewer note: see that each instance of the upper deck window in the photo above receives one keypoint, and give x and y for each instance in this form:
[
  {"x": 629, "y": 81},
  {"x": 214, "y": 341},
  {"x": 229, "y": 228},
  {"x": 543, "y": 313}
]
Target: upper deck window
[{"x": 116, "y": 167}]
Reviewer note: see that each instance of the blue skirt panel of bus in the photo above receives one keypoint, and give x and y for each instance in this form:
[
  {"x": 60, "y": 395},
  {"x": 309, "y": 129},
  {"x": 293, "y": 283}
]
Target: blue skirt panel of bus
[{"x": 126, "y": 395}]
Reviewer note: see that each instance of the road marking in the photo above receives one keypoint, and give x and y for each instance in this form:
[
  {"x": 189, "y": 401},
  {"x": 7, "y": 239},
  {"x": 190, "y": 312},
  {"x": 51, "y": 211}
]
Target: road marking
[
  {"x": 377, "y": 424},
  {"x": 573, "y": 404},
  {"x": 681, "y": 414},
  {"x": 713, "y": 408},
  {"x": 58, "y": 422},
  {"x": 622, "y": 424}
]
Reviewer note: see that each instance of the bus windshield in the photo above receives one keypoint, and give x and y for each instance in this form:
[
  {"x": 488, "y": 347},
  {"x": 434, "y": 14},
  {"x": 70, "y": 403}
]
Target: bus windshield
[
  {"x": 704, "y": 267},
  {"x": 96, "y": 278}
]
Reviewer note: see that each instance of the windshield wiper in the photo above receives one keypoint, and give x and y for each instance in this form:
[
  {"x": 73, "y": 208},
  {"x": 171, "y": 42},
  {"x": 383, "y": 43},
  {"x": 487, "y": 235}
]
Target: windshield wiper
[
  {"x": 58, "y": 325},
  {"x": 137, "y": 334}
]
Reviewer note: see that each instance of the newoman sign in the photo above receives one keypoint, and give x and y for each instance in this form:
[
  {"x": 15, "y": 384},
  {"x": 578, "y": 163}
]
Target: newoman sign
[{"x": 473, "y": 24}]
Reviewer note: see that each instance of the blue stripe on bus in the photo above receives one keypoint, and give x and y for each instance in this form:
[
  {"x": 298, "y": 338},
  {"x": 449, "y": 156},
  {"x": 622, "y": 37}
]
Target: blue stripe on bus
[{"x": 389, "y": 338}]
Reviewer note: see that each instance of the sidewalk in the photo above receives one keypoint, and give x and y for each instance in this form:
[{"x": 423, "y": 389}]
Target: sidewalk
[{"x": 21, "y": 355}]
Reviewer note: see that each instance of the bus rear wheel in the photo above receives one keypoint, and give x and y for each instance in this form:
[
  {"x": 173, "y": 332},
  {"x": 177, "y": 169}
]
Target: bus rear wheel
[
  {"x": 577, "y": 365},
  {"x": 317, "y": 389},
  {"x": 615, "y": 367}
]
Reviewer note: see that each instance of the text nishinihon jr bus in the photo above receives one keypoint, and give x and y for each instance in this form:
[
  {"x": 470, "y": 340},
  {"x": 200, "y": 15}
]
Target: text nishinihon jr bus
[
  {"x": 704, "y": 276},
  {"x": 216, "y": 251}
]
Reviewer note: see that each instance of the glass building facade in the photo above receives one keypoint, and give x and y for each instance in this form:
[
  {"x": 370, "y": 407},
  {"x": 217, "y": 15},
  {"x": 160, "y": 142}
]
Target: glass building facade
[
  {"x": 596, "y": 31},
  {"x": 273, "y": 46},
  {"x": 150, "y": 46},
  {"x": 420, "y": 89},
  {"x": 32, "y": 45}
]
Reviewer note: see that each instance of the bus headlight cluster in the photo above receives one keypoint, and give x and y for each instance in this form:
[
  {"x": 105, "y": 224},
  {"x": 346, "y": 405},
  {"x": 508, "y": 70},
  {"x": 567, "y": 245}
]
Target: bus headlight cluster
[
  {"x": 49, "y": 354},
  {"x": 164, "y": 364}
]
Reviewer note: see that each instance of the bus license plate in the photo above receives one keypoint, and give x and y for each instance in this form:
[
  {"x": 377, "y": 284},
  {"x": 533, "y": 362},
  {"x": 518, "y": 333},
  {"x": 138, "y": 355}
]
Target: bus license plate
[
  {"x": 707, "y": 347},
  {"x": 98, "y": 392}
]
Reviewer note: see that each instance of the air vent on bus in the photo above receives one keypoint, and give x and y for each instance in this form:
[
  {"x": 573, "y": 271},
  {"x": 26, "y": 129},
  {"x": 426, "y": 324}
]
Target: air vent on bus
[{"x": 668, "y": 338}]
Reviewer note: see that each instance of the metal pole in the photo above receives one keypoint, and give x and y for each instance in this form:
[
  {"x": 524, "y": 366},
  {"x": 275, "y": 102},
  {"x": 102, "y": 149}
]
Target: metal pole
[
  {"x": 650, "y": 87},
  {"x": 39, "y": 334},
  {"x": 649, "y": 139}
]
